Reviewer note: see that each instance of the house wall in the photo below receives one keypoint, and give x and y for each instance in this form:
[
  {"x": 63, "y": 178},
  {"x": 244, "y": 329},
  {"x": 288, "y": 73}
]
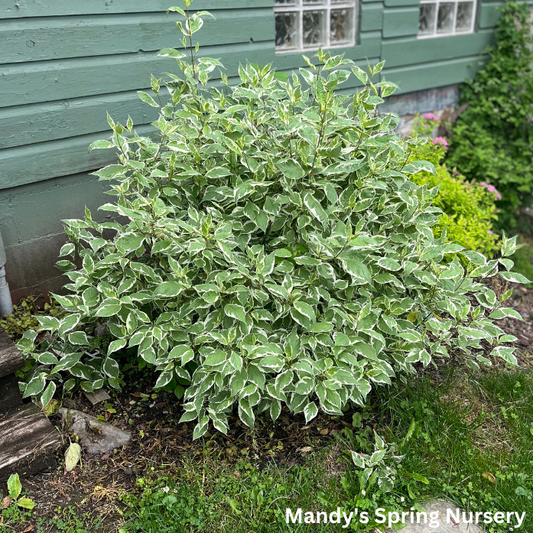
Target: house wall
[
  {"x": 419, "y": 64},
  {"x": 65, "y": 63}
]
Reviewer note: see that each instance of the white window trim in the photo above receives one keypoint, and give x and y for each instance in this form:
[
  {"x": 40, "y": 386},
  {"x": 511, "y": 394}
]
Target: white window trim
[
  {"x": 454, "y": 32},
  {"x": 327, "y": 7}
]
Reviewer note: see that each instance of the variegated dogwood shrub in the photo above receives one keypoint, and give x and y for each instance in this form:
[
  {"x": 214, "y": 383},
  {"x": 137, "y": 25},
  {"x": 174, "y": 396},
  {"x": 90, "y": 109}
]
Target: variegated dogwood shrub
[{"x": 273, "y": 251}]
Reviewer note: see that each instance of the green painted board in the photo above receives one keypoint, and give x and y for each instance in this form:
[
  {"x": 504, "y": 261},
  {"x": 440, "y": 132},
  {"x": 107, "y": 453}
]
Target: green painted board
[
  {"x": 369, "y": 46},
  {"x": 68, "y": 37},
  {"x": 49, "y": 81},
  {"x": 400, "y": 3},
  {"x": 52, "y": 8},
  {"x": 489, "y": 14},
  {"x": 38, "y": 162},
  {"x": 438, "y": 74},
  {"x": 37, "y": 209},
  {"x": 400, "y": 22},
  {"x": 87, "y": 36},
  {"x": 77, "y": 78},
  {"x": 413, "y": 51},
  {"x": 371, "y": 17},
  {"x": 39, "y": 123},
  {"x": 79, "y": 116}
]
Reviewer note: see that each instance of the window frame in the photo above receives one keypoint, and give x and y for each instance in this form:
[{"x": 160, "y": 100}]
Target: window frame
[
  {"x": 327, "y": 6},
  {"x": 454, "y": 32}
]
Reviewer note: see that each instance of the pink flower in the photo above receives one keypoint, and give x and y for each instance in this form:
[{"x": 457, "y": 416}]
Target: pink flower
[
  {"x": 431, "y": 116},
  {"x": 491, "y": 232},
  {"x": 440, "y": 140},
  {"x": 492, "y": 189}
]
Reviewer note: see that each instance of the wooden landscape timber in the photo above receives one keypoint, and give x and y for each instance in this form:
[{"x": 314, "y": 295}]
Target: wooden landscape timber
[{"x": 28, "y": 440}]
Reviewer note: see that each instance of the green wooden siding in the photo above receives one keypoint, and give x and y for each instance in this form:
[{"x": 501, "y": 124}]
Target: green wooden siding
[
  {"x": 418, "y": 64},
  {"x": 43, "y": 122},
  {"x": 51, "y": 8},
  {"x": 64, "y": 79},
  {"x": 429, "y": 75},
  {"x": 416, "y": 52},
  {"x": 371, "y": 16},
  {"x": 400, "y": 21},
  {"x": 489, "y": 14},
  {"x": 25, "y": 40},
  {"x": 66, "y": 63}
]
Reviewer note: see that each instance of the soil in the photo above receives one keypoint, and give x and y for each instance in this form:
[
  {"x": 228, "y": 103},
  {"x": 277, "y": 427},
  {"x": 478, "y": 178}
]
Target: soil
[
  {"x": 158, "y": 439},
  {"x": 521, "y": 301}
]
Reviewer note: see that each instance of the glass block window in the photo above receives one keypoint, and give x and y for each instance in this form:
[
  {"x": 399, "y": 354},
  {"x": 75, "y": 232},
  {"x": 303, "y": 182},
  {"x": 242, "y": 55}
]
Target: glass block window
[
  {"x": 310, "y": 24},
  {"x": 446, "y": 17}
]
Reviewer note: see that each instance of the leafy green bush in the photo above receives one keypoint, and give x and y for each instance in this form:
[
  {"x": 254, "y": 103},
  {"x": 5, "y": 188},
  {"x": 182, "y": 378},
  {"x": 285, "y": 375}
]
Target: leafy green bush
[
  {"x": 276, "y": 252},
  {"x": 493, "y": 140},
  {"x": 468, "y": 208}
]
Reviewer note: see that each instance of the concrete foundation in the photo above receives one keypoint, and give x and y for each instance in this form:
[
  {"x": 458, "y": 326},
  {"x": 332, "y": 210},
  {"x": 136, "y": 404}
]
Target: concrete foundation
[
  {"x": 30, "y": 222},
  {"x": 441, "y": 102}
]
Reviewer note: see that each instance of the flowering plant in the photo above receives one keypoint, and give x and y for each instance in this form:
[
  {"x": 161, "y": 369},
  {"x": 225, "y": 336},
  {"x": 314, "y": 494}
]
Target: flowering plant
[
  {"x": 425, "y": 125},
  {"x": 492, "y": 189},
  {"x": 431, "y": 117},
  {"x": 442, "y": 141}
]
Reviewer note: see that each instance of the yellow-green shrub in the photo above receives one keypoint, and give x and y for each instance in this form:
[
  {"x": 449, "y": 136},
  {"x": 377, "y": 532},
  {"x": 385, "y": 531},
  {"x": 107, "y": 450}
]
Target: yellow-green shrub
[{"x": 468, "y": 208}]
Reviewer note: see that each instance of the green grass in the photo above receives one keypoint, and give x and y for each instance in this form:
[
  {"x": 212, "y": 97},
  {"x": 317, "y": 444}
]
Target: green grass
[
  {"x": 472, "y": 443},
  {"x": 219, "y": 497},
  {"x": 69, "y": 520},
  {"x": 473, "y": 439}
]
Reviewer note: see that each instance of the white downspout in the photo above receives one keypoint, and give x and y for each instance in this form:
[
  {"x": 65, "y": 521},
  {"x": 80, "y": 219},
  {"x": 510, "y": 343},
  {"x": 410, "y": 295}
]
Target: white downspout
[{"x": 6, "y": 305}]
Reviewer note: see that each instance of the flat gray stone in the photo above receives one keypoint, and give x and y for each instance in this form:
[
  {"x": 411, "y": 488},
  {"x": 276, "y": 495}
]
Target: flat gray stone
[
  {"x": 97, "y": 397},
  {"x": 444, "y": 517},
  {"x": 96, "y": 437}
]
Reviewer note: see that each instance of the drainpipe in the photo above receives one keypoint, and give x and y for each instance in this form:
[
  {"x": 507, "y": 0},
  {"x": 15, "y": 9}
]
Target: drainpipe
[{"x": 6, "y": 305}]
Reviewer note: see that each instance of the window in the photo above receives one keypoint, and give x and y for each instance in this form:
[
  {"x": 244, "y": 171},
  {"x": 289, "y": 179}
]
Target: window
[
  {"x": 310, "y": 24},
  {"x": 449, "y": 17}
]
